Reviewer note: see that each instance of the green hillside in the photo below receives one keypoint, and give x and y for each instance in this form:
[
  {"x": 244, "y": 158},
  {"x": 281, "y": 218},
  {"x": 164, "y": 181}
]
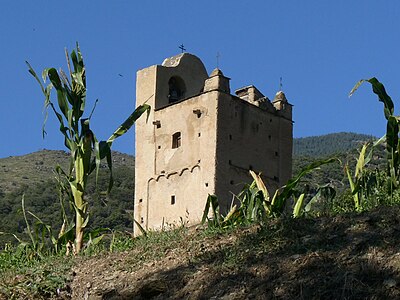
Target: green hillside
[
  {"x": 324, "y": 145},
  {"x": 345, "y": 146},
  {"x": 33, "y": 175}
]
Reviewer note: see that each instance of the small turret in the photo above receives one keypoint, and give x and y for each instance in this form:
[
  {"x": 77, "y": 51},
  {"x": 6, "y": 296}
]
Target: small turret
[
  {"x": 217, "y": 81},
  {"x": 279, "y": 100},
  {"x": 281, "y": 104}
]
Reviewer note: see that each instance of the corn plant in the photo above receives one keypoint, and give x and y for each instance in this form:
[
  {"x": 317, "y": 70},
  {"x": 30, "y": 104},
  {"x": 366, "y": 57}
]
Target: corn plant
[
  {"x": 363, "y": 182},
  {"x": 86, "y": 151},
  {"x": 276, "y": 204},
  {"x": 320, "y": 203},
  {"x": 256, "y": 203},
  {"x": 392, "y": 132}
]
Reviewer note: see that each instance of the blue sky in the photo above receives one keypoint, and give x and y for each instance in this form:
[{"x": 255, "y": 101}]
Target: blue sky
[{"x": 320, "y": 49}]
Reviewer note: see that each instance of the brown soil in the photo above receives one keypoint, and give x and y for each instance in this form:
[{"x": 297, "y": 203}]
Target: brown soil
[{"x": 345, "y": 257}]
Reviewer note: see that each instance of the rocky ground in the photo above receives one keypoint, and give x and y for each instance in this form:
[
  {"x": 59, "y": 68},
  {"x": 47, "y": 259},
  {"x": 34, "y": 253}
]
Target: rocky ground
[{"x": 355, "y": 256}]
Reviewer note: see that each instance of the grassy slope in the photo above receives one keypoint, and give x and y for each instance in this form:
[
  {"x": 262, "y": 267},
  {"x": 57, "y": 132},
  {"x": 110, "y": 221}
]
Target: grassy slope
[{"x": 351, "y": 256}]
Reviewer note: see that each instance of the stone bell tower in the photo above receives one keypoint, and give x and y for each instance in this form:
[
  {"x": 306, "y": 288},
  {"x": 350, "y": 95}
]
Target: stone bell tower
[{"x": 200, "y": 140}]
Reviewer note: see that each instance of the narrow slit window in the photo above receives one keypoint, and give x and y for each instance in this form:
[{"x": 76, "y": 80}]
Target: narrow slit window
[
  {"x": 172, "y": 199},
  {"x": 176, "y": 140}
]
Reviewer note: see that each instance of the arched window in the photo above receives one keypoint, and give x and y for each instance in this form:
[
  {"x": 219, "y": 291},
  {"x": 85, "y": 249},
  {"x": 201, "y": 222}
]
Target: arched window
[{"x": 176, "y": 90}]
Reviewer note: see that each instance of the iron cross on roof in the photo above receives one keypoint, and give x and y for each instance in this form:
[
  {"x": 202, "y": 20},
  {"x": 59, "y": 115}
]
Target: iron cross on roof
[{"x": 182, "y": 48}]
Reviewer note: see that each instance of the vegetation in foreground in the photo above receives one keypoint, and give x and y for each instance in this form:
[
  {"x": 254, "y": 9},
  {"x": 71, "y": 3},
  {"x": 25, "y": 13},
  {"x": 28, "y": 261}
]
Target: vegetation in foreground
[
  {"x": 351, "y": 256},
  {"x": 86, "y": 152}
]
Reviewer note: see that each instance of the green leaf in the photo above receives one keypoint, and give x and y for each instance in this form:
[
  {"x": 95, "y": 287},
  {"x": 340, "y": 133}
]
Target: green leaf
[
  {"x": 379, "y": 90},
  {"x": 140, "y": 228},
  {"x": 298, "y": 206},
  {"x": 33, "y": 73},
  {"x": 212, "y": 202},
  {"x": 104, "y": 151},
  {"x": 361, "y": 161},
  {"x": 127, "y": 124},
  {"x": 285, "y": 192},
  {"x": 260, "y": 184}
]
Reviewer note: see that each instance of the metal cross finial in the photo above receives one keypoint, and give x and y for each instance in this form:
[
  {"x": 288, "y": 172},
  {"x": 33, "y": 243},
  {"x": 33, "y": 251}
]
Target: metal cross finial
[
  {"x": 182, "y": 48},
  {"x": 218, "y": 56},
  {"x": 280, "y": 83}
]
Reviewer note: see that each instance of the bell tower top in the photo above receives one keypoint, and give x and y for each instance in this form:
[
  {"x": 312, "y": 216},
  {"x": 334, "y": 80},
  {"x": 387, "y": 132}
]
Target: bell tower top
[{"x": 179, "y": 77}]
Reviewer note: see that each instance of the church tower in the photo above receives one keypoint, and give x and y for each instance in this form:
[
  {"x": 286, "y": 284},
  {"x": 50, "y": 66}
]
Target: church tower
[{"x": 200, "y": 140}]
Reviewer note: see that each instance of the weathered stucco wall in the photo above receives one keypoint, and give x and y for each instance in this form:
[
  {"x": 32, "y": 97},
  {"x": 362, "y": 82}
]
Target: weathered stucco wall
[
  {"x": 188, "y": 171},
  {"x": 174, "y": 181},
  {"x": 250, "y": 138}
]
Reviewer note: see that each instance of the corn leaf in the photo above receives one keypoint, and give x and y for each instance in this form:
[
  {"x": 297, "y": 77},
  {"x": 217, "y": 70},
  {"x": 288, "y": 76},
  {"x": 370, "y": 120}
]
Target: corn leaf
[
  {"x": 285, "y": 192},
  {"x": 260, "y": 184},
  {"x": 127, "y": 124},
  {"x": 298, "y": 206},
  {"x": 379, "y": 90},
  {"x": 140, "y": 228},
  {"x": 361, "y": 161}
]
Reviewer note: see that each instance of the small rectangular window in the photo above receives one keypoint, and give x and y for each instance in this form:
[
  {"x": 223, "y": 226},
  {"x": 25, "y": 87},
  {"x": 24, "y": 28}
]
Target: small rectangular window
[
  {"x": 172, "y": 199},
  {"x": 176, "y": 140}
]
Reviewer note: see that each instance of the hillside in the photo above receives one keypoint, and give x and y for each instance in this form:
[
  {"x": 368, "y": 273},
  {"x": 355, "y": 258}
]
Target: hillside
[
  {"x": 329, "y": 144},
  {"x": 33, "y": 175},
  {"x": 38, "y": 167}
]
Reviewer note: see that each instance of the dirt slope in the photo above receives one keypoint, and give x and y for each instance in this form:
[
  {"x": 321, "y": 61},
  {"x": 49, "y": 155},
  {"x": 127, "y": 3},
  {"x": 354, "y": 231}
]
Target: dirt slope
[{"x": 346, "y": 257}]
